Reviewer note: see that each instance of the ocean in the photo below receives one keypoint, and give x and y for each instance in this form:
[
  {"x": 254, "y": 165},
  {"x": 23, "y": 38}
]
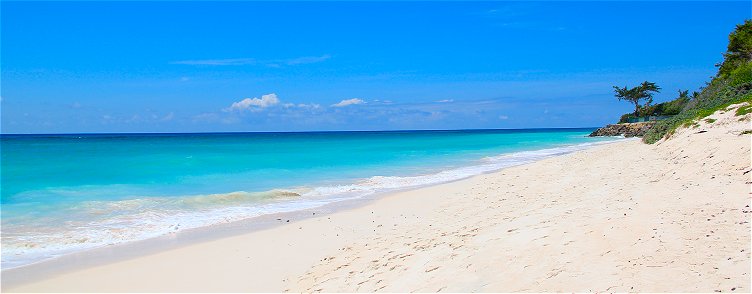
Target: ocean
[{"x": 67, "y": 193}]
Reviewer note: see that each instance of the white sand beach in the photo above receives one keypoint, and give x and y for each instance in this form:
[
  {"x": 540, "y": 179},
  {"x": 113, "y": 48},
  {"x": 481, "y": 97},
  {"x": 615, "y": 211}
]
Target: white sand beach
[{"x": 622, "y": 217}]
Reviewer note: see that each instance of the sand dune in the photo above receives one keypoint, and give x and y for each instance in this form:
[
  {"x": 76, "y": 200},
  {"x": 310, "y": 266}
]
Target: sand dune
[{"x": 622, "y": 217}]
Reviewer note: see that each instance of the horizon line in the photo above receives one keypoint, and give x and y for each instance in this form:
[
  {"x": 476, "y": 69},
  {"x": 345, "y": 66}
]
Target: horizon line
[{"x": 292, "y": 132}]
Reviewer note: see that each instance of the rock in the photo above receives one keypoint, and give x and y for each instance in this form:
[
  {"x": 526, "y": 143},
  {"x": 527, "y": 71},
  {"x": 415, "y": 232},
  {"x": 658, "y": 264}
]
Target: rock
[{"x": 625, "y": 129}]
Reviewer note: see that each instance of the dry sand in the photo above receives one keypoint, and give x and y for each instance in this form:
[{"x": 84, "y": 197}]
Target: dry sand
[{"x": 624, "y": 217}]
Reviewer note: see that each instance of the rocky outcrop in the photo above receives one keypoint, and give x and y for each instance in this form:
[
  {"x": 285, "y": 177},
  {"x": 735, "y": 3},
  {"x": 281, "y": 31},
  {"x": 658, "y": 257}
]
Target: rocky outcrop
[{"x": 626, "y": 129}]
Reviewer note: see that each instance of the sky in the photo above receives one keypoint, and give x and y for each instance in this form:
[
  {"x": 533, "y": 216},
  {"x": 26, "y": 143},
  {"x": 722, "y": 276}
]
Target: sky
[{"x": 81, "y": 67}]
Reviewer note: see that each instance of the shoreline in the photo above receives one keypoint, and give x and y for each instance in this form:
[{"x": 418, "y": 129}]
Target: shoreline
[
  {"x": 488, "y": 164},
  {"x": 128, "y": 250},
  {"x": 624, "y": 217},
  {"x": 119, "y": 252}
]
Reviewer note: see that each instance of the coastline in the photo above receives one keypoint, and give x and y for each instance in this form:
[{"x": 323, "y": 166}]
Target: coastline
[
  {"x": 620, "y": 217},
  {"x": 102, "y": 255},
  {"x": 239, "y": 206}
]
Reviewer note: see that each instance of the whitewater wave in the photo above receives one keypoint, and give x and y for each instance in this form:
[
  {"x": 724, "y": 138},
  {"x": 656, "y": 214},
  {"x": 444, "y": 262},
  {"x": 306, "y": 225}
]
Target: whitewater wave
[{"x": 101, "y": 223}]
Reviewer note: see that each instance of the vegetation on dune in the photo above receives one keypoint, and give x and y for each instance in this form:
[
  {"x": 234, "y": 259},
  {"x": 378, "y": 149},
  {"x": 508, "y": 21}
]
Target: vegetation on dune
[
  {"x": 717, "y": 96},
  {"x": 672, "y": 107},
  {"x": 744, "y": 110},
  {"x": 732, "y": 85}
]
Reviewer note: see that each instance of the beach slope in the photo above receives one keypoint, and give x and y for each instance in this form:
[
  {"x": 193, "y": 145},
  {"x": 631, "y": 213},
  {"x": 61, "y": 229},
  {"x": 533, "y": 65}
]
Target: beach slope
[{"x": 623, "y": 217}]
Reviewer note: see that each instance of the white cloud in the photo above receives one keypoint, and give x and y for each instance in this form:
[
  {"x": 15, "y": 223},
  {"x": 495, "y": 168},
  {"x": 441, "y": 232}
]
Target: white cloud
[
  {"x": 445, "y": 101},
  {"x": 254, "y": 104},
  {"x": 348, "y": 102},
  {"x": 503, "y": 117}
]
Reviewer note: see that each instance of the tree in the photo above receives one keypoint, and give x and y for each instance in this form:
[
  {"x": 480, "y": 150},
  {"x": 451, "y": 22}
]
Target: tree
[
  {"x": 684, "y": 94},
  {"x": 642, "y": 92},
  {"x": 739, "y": 49}
]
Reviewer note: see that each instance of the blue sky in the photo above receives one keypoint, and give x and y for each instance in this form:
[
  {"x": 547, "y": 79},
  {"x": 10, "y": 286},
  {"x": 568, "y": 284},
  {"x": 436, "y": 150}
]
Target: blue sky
[{"x": 297, "y": 66}]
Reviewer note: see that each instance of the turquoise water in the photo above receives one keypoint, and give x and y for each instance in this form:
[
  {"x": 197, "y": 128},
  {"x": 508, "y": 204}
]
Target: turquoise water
[{"x": 65, "y": 193}]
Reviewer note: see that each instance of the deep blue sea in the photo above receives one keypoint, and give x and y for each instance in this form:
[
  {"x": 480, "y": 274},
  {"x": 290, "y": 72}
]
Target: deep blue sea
[{"x": 66, "y": 193}]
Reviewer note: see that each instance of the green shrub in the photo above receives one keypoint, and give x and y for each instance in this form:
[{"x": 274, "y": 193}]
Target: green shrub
[
  {"x": 673, "y": 107},
  {"x": 741, "y": 75},
  {"x": 625, "y": 117},
  {"x": 744, "y": 110}
]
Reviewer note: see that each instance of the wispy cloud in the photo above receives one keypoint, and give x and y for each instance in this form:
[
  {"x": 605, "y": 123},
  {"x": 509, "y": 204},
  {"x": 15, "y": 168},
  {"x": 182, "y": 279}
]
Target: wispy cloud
[
  {"x": 307, "y": 60},
  {"x": 348, "y": 102},
  {"x": 536, "y": 26},
  {"x": 253, "y": 61},
  {"x": 507, "y": 10},
  {"x": 231, "y": 61},
  {"x": 521, "y": 16},
  {"x": 168, "y": 117},
  {"x": 302, "y": 105}
]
